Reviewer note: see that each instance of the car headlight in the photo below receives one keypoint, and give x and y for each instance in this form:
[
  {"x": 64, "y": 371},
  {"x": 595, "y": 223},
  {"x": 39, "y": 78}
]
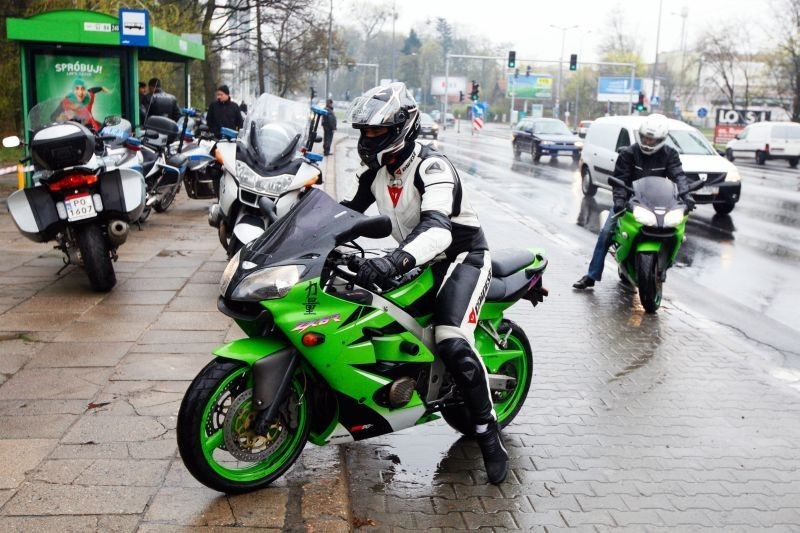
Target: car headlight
[
  {"x": 673, "y": 217},
  {"x": 435, "y": 127},
  {"x": 227, "y": 274},
  {"x": 268, "y": 283},
  {"x": 733, "y": 176},
  {"x": 271, "y": 186},
  {"x": 578, "y": 144},
  {"x": 545, "y": 143},
  {"x": 644, "y": 216}
]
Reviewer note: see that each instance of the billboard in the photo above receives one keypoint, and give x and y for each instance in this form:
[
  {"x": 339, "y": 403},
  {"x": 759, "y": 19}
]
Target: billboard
[
  {"x": 83, "y": 87},
  {"x": 740, "y": 116},
  {"x": 456, "y": 84},
  {"x": 618, "y": 89},
  {"x": 725, "y": 133},
  {"x": 533, "y": 86}
]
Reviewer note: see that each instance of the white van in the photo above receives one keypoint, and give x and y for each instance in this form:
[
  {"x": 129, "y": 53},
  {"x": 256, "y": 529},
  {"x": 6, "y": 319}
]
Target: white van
[
  {"x": 767, "y": 140},
  {"x": 699, "y": 159}
]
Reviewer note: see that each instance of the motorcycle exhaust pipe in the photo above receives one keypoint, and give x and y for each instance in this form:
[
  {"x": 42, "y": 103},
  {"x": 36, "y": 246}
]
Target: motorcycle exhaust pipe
[
  {"x": 151, "y": 200},
  {"x": 118, "y": 232}
]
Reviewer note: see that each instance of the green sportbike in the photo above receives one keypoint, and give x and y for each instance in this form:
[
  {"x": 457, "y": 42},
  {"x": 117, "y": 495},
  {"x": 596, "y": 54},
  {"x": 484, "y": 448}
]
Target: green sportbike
[
  {"x": 649, "y": 234},
  {"x": 327, "y": 361}
]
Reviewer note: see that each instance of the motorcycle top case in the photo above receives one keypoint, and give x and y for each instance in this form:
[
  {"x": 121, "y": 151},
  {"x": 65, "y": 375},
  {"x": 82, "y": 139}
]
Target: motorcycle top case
[
  {"x": 34, "y": 213},
  {"x": 123, "y": 193},
  {"x": 62, "y": 145}
]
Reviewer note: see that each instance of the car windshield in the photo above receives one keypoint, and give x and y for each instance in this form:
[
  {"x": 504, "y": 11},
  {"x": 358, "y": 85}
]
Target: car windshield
[
  {"x": 274, "y": 126},
  {"x": 426, "y": 119},
  {"x": 690, "y": 142},
  {"x": 551, "y": 127}
]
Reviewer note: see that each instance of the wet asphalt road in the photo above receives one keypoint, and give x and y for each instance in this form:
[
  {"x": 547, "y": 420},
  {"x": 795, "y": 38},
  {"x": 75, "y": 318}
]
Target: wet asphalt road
[{"x": 741, "y": 269}]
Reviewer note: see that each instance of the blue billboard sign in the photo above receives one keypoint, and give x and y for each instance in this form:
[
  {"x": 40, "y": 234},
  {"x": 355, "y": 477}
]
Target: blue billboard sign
[{"x": 618, "y": 89}]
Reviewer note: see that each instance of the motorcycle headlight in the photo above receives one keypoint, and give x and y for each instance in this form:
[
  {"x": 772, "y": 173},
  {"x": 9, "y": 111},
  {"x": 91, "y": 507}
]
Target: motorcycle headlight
[
  {"x": 268, "y": 283},
  {"x": 644, "y": 216},
  {"x": 733, "y": 176},
  {"x": 673, "y": 217},
  {"x": 227, "y": 274},
  {"x": 268, "y": 185}
]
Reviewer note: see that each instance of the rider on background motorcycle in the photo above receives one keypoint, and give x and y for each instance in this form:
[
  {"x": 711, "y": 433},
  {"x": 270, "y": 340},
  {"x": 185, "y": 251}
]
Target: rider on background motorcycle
[
  {"x": 420, "y": 191},
  {"x": 650, "y": 156}
]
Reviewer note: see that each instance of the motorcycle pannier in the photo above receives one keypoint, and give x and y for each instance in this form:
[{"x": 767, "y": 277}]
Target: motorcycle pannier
[
  {"x": 62, "y": 145},
  {"x": 34, "y": 213}
]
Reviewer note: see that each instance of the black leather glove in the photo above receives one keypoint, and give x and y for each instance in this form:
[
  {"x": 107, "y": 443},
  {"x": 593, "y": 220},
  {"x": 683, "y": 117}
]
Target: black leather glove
[
  {"x": 379, "y": 269},
  {"x": 689, "y": 201},
  {"x": 619, "y": 205}
]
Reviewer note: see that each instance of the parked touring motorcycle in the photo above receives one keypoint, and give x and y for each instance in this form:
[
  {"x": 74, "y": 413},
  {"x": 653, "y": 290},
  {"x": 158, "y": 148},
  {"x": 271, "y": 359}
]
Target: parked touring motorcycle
[
  {"x": 270, "y": 159},
  {"x": 328, "y": 361},
  {"x": 164, "y": 166},
  {"x": 649, "y": 234},
  {"x": 80, "y": 199},
  {"x": 203, "y": 171}
]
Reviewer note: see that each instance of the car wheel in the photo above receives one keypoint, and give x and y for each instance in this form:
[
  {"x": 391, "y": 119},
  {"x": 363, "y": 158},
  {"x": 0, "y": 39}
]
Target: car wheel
[
  {"x": 723, "y": 209},
  {"x": 793, "y": 162},
  {"x": 729, "y": 155},
  {"x": 576, "y": 156},
  {"x": 588, "y": 188},
  {"x": 761, "y": 158}
]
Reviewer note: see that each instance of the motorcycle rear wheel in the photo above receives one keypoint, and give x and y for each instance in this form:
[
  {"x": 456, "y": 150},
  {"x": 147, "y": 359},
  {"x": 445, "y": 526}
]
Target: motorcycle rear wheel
[
  {"x": 165, "y": 201},
  {"x": 214, "y": 396},
  {"x": 649, "y": 281},
  {"x": 96, "y": 257},
  {"x": 507, "y": 404}
]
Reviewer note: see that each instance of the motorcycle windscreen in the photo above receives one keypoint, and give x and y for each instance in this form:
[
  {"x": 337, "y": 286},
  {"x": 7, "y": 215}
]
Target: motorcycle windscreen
[
  {"x": 308, "y": 233},
  {"x": 275, "y": 130},
  {"x": 656, "y": 192}
]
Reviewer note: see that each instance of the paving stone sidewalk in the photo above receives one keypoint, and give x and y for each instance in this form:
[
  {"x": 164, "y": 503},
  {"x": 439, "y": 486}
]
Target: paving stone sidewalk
[
  {"x": 90, "y": 385},
  {"x": 633, "y": 422}
]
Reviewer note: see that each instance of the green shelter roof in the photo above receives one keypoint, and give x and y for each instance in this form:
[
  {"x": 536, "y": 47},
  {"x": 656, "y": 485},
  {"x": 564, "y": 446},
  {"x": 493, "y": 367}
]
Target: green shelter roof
[{"x": 74, "y": 26}]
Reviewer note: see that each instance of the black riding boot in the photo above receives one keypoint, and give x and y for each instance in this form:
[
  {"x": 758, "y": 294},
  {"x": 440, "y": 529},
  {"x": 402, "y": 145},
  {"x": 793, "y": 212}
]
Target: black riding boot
[{"x": 495, "y": 456}]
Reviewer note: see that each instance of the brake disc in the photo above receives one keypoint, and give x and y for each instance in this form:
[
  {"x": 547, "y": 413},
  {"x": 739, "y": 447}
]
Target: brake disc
[{"x": 241, "y": 441}]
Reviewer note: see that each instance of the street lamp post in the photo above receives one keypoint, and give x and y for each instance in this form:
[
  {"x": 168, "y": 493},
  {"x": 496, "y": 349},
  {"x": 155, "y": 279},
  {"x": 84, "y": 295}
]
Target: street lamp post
[
  {"x": 328, "y": 62},
  {"x": 394, "y": 19},
  {"x": 655, "y": 63},
  {"x": 564, "y": 30}
]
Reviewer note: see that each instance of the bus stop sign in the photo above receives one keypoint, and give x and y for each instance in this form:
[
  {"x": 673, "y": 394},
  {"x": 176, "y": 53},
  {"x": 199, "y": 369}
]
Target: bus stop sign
[{"x": 134, "y": 27}]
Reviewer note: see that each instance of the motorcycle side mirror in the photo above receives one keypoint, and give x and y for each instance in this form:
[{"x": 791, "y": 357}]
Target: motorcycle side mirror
[
  {"x": 319, "y": 110},
  {"x": 620, "y": 149},
  {"x": 228, "y": 133},
  {"x": 11, "y": 142},
  {"x": 318, "y": 138},
  {"x": 737, "y": 137}
]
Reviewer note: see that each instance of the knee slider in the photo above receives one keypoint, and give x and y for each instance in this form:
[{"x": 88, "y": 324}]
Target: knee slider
[{"x": 462, "y": 361}]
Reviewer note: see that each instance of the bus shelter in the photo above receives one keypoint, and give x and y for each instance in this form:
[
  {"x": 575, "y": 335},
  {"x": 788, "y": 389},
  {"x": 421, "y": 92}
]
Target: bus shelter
[{"x": 92, "y": 59}]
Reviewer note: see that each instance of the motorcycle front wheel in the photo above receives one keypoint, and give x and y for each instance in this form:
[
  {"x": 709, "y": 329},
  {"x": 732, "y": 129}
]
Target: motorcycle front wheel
[
  {"x": 507, "y": 404},
  {"x": 166, "y": 200},
  {"x": 649, "y": 281},
  {"x": 216, "y": 439},
  {"x": 96, "y": 257}
]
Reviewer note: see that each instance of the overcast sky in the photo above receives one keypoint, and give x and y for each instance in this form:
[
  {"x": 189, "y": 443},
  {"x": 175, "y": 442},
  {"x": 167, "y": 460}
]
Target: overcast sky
[{"x": 526, "y": 23}]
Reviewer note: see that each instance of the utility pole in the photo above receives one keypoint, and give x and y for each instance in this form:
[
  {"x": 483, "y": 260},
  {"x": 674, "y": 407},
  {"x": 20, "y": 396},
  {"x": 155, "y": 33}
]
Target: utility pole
[
  {"x": 655, "y": 64},
  {"x": 394, "y": 19},
  {"x": 328, "y": 63},
  {"x": 564, "y": 29}
]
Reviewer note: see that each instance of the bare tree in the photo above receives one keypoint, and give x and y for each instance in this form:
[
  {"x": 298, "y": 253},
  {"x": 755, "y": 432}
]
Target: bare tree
[
  {"x": 729, "y": 58},
  {"x": 788, "y": 59}
]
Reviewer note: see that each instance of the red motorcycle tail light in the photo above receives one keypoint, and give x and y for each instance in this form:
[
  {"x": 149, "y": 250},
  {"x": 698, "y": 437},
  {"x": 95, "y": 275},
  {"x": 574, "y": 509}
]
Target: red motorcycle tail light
[{"x": 73, "y": 181}]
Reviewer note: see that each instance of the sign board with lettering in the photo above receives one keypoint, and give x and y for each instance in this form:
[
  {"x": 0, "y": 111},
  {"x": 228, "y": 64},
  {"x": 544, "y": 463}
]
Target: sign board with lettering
[
  {"x": 455, "y": 84},
  {"x": 723, "y": 134},
  {"x": 740, "y": 116},
  {"x": 533, "y": 86},
  {"x": 134, "y": 27}
]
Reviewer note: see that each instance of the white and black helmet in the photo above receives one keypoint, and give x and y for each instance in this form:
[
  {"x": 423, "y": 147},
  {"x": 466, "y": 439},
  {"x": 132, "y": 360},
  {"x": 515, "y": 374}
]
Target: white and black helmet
[
  {"x": 387, "y": 106},
  {"x": 653, "y": 133}
]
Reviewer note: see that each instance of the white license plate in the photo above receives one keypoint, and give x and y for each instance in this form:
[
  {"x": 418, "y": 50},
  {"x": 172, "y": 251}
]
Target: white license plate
[
  {"x": 709, "y": 190},
  {"x": 80, "y": 207}
]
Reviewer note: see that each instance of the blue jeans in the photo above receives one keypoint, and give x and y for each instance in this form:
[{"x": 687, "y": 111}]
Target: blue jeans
[{"x": 601, "y": 248}]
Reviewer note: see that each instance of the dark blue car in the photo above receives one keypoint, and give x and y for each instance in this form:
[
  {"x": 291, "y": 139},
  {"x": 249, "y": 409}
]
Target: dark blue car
[{"x": 545, "y": 136}]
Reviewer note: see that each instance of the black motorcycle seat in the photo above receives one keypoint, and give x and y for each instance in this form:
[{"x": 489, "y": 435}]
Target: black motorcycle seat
[
  {"x": 177, "y": 160},
  {"x": 508, "y": 261},
  {"x": 508, "y": 288}
]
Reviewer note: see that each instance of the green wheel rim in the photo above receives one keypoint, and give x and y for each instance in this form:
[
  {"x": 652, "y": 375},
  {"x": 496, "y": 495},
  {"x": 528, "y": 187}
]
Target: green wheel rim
[
  {"x": 213, "y": 441},
  {"x": 506, "y": 406}
]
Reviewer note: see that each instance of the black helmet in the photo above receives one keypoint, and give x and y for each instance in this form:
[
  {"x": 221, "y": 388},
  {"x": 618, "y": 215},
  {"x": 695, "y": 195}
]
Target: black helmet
[{"x": 387, "y": 106}]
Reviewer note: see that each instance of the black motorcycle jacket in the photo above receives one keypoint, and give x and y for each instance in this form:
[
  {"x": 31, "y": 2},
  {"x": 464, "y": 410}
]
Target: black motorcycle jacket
[
  {"x": 421, "y": 193},
  {"x": 632, "y": 164},
  {"x": 162, "y": 104}
]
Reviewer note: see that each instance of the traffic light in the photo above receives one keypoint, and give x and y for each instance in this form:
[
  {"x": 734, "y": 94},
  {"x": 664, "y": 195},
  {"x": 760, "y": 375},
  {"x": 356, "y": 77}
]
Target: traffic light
[
  {"x": 475, "y": 90},
  {"x": 460, "y": 96},
  {"x": 640, "y": 103},
  {"x": 313, "y": 93},
  {"x": 573, "y": 62},
  {"x": 528, "y": 71},
  {"x": 512, "y": 59}
]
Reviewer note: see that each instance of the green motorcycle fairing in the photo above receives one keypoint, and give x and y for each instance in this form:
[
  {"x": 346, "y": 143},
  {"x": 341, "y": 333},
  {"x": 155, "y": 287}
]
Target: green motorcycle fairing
[{"x": 351, "y": 342}]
